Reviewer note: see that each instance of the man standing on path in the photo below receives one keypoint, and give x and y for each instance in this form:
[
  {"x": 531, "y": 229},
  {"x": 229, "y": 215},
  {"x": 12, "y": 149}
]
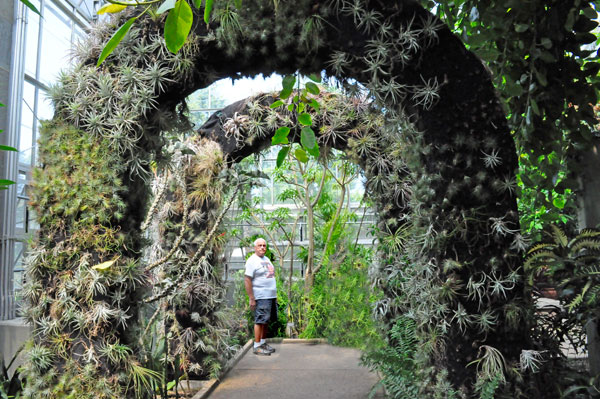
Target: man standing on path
[{"x": 259, "y": 281}]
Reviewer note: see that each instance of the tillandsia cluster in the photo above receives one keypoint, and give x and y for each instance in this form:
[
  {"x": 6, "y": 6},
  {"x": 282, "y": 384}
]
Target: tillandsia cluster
[
  {"x": 202, "y": 331},
  {"x": 82, "y": 270},
  {"x": 85, "y": 279}
]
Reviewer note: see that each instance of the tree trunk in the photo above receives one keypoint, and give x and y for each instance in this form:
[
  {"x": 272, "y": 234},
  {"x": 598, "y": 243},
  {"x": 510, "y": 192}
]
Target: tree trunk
[{"x": 589, "y": 216}]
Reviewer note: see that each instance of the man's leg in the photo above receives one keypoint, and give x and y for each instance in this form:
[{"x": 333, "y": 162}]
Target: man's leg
[{"x": 258, "y": 332}]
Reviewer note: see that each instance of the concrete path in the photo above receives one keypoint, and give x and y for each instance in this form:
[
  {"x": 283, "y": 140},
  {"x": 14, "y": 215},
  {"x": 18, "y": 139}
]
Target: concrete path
[{"x": 298, "y": 371}]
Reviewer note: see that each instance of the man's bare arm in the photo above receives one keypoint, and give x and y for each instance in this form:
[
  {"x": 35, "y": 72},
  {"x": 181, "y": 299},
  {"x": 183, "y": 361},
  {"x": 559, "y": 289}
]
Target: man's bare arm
[{"x": 248, "y": 286}]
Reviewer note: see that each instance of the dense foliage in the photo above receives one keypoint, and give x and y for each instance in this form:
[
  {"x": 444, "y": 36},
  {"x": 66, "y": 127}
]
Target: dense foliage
[{"x": 440, "y": 172}]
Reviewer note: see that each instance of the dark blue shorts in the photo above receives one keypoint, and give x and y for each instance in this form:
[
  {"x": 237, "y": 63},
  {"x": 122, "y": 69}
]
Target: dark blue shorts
[{"x": 266, "y": 310}]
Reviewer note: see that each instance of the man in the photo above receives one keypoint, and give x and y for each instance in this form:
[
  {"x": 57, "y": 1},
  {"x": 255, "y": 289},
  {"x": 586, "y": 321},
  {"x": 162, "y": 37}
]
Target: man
[{"x": 259, "y": 281}]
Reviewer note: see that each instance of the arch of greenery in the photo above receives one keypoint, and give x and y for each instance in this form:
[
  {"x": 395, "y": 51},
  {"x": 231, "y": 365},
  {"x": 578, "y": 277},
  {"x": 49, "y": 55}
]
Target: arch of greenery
[{"x": 459, "y": 279}]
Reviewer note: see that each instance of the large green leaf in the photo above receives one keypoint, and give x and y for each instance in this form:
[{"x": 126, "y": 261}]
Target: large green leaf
[
  {"x": 207, "y": 10},
  {"x": 281, "y": 136},
  {"x": 307, "y": 138},
  {"x": 7, "y": 148},
  {"x": 178, "y": 25},
  {"x": 281, "y": 155},
  {"x": 31, "y": 7},
  {"x": 115, "y": 40},
  {"x": 4, "y": 182}
]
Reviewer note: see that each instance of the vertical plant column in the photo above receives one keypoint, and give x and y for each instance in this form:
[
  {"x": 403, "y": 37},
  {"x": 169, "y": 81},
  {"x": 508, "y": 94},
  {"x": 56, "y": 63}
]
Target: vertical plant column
[
  {"x": 85, "y": 279},
  {"x": 459, "y": 275},
  {"x": 81, "y": 271},
  {"x": 189, "y": 260}
]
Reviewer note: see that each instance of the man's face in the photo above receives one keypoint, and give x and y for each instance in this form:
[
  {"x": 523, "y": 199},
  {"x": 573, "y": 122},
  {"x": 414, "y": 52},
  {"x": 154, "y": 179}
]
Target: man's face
[{"x": 260, "y": 248}]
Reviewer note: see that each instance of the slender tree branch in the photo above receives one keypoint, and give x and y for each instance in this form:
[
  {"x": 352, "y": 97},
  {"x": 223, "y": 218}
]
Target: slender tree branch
[
  {"x": 181, "y": 230},
  {"x": 157, "y": 198}
]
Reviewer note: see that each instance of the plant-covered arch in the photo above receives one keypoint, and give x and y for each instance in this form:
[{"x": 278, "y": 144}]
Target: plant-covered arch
[{"x": 459, "y": 279}]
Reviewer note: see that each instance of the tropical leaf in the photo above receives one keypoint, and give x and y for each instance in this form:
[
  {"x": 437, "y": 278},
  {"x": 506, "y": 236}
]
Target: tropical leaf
[
  {"x": 276, "y": 104},
  {"x": 281, "y": 155},
  {"x": 305, "y": 119},
  {"x": 559, "y": 236},
  {"x": 207, "y": 11},
  {"x": 115, "y": 40},
  {"x": 300, "y": 155},
  {"x": 111, "y": 8},
  {"x": 31, "y": 7},
  {"x": 307, "y": 138},
  {"x": 281, "y": 136},
  {"x": 7, "y": 148},
  {"x": 104, "y": 265},
  {"x": 312, "y": 88},
  {"x": 178, "y": 25}
]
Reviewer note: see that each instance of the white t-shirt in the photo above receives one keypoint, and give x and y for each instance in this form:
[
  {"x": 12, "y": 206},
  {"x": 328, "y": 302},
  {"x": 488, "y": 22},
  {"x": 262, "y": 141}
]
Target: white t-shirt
[{"x": 262, "y": 273}]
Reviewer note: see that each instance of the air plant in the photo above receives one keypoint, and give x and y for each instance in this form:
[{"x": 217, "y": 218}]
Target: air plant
[{"x": 428, "y": 94}]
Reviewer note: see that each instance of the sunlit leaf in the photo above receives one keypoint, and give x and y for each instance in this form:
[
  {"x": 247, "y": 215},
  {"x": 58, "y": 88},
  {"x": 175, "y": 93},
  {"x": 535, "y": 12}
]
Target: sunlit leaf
[
  {"x": 178, "y": 25},
  {"x": 207, "y": 10},
  {"x": 305, "y": 119},
  {"x": 281, "y": 155},
  {"x": 166, "y": 6},
  {"x": 4, "y": 182},
  {"x": 111, "y": 8},
  {"x": 104, "y": 265},
  {"x": 300, "y": 155},
  {"x": 281, "y": 136},
  {"x": 115, "y": 40},
  {"x": 559, "y": 203},
  {"x": 7, "y": 148},
  {"x": 307, "y": 138},
  {"x": 276, "y": 104}
]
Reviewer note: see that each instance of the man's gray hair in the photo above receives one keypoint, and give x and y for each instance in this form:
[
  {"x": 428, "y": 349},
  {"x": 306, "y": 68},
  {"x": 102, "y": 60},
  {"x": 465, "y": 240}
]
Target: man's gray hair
[{"x": 259, "y": 239}]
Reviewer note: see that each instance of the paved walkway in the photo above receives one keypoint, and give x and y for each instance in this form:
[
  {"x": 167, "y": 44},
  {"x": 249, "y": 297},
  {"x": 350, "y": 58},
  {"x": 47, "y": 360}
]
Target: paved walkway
[{"x": 298, "y": 371}]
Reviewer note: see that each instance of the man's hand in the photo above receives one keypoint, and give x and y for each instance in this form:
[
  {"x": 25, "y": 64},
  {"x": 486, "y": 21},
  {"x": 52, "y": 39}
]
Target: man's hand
[{"x": 252, "y": 303}]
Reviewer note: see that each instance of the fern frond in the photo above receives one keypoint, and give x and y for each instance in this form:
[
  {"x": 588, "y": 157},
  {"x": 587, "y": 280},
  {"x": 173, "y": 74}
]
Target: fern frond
[
  {"x": 539, "y": 246},
  {"x": 579, "y": 297},
  {"x": 540, "y": 258},
  {"x": 559, "y": 236},
  {"x": 589, "y": 244}
]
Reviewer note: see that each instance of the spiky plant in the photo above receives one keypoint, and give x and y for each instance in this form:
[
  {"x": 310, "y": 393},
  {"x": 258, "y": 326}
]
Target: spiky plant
[{"x": 572, "y": 264}]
